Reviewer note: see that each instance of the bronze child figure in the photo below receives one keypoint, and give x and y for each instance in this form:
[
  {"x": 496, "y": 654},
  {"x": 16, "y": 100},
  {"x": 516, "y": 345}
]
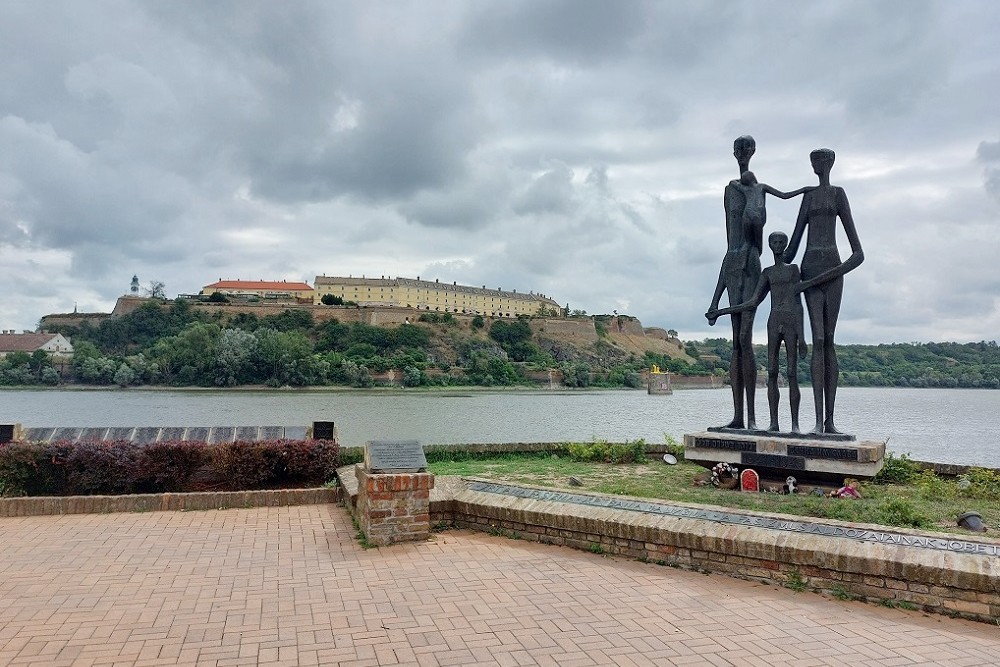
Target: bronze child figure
[{"x": 784, "y": 324}]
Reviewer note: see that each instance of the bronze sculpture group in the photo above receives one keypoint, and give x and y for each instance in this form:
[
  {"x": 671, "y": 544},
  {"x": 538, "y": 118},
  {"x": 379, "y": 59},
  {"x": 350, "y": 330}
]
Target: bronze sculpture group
[{"x": 821, "y": 279}]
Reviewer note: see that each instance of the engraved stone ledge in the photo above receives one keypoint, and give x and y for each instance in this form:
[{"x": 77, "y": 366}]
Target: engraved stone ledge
[{"x": 944, "y": 543}]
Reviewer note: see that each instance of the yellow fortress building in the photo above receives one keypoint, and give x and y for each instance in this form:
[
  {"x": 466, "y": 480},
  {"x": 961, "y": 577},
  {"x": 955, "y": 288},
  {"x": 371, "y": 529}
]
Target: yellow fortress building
[{"x": 436, "y": 296}]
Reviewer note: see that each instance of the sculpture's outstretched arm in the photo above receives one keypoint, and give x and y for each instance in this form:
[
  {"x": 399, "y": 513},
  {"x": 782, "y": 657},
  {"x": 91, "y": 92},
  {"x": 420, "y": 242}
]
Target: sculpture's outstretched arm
[
  {"x": 800, "y": 228},
  {"x": 786, "y": 195},
  {"x": 763, "y": 286}
]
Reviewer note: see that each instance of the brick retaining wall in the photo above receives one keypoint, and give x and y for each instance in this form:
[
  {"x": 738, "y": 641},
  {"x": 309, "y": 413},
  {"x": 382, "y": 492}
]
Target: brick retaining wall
[
  {"x": 946, "y": 582},
  {"x": 164, "y": 502}
]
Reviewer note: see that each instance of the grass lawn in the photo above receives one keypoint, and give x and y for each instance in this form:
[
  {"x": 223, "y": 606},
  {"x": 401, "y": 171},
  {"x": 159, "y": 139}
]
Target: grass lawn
[{"x": 927, "y": 502}]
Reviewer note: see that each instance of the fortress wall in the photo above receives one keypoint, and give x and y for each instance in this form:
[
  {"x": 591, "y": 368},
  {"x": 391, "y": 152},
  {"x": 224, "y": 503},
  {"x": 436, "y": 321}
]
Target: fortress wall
[
  {"x": 582, "y": 328},
  {"x": 71, "y": 320},
  {"x": 629, "y": 326}
]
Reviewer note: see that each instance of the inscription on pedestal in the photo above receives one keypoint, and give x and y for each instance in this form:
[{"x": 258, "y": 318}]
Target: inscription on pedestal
[
  {"x": 390, "y": 456},
  {"x": 772, "y": 461},
  {"x": 833, "y": 453},
  {"x": 730, "y": 445}
]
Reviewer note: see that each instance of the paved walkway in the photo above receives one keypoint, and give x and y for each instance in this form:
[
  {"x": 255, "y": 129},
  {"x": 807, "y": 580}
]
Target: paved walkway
[{"x": 291, "y": 586}]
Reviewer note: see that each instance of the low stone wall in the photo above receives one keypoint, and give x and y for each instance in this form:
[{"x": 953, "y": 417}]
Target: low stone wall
[
  {"x": 355, "y": 453},
  {"x": 164, "y": 502},
  {"x": 948, "y": 581},
  {"x": 939, "y": 581}
]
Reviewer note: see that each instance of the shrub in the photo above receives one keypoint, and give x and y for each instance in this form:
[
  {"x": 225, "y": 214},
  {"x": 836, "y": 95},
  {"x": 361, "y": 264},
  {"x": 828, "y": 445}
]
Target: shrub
[
  {"x": 86, "y": 468},
  {"x": 307, "y": 461},
  {"x": 674, "y": 447},
  {"x": 30, "y": 469},
  {"x": 984, "y": 483},
  {"x": 101, "y": 468},
  {"x": 244, "y": 465},
  {"x": 898, "y": 469},
  {"x": 609, "y": 452},
  {"x": 932, "y": 487},
  {"x": 253, "y": 465},
  {"x": 171, "y": 466},
  {"x": 901, "y": 512}
]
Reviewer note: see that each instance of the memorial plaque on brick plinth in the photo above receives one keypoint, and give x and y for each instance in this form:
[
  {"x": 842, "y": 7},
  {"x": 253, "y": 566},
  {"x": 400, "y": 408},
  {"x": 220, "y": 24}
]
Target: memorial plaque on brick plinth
[{"x": 393, "y": 456}]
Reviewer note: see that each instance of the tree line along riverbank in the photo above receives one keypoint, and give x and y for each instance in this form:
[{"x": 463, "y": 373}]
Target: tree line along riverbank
[{"x": 176, "y": 345}]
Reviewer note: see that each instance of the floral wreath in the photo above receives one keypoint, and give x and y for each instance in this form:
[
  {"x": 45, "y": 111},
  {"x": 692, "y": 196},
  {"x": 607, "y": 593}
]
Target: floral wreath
[{"x": 722, "y": 470}]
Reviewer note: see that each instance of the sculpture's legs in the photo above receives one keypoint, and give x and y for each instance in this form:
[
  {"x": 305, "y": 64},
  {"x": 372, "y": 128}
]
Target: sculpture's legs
[
  {"x": 814, "y": 303},
  {"x": 794, "y": 395},
  {"x": 748, "y": 366},
  {"x": 736, "y": 376},
  {"x": 773, "y": 348},
  {"x": 834, "y": 293}
]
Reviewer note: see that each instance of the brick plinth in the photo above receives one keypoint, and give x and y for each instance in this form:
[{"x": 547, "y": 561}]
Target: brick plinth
[{"x": 393, "y": 507}]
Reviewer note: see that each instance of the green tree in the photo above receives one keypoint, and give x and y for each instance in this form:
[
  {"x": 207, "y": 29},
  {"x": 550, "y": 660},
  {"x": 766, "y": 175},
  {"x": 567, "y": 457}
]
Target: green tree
[
  {"x": 235, "y": 351},
  {"x": 509, "y": 334}
]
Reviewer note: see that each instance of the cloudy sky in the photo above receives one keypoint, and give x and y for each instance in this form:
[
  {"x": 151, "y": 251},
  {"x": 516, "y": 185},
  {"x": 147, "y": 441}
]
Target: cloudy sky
[{"x": 574, "y": 148}]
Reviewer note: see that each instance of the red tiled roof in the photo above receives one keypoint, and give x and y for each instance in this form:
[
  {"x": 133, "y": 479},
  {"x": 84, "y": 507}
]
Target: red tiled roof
[
  {"x": 24, "y": 342},
  {"x": 276, "y": 285}
]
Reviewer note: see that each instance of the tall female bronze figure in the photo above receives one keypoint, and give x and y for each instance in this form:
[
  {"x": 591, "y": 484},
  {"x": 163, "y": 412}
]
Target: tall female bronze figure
[{"x": 823, "y": 278}]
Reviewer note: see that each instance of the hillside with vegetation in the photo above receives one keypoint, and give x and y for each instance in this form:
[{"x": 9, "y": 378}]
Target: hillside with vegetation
[{"x": 177, "y": 345}]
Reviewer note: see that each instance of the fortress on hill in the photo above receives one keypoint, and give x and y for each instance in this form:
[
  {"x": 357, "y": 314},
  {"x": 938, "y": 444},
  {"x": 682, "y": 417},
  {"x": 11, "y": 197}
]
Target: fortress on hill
[{"x": 412, "y": 293}]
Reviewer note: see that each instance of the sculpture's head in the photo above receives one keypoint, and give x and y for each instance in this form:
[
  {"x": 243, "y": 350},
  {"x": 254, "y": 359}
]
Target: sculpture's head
[
  {"x": 777, "y": 242},
  {"x": 744, "y": 148},
  {"x": 822, "y": 160}
]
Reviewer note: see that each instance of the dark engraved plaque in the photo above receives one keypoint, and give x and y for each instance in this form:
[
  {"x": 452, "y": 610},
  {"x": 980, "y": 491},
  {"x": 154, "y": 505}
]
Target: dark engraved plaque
[
  {"x": 145, "y": 435},
  {"x": 834, "y": 453},
  {"x": 247, "y": 433},
  {"x": 120, "y": 433},
  {"x": 38, "y": 434},
  {"x": 93, "y": 434},
  {"x": 272, "y": 432},
  {"x": 197, "y": 434},
  {"x": 383, "y": 456},
  {"x": 67, "y": 433},
  {"x": 756, "y": 460},
  {"x": 6, "y": 432},
  {"x": 324, "y": 430},
  {"x": 223, "y": 434},
  {"x": 730, "y": 445}
]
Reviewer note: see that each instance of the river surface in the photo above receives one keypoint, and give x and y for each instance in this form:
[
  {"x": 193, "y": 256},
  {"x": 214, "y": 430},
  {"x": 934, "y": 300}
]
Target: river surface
[{"x": 944, "y": 425}]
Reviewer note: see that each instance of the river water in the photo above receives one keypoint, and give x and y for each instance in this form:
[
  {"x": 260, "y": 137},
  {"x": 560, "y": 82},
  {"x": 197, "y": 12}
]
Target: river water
[{"x": 944, "y": 425}]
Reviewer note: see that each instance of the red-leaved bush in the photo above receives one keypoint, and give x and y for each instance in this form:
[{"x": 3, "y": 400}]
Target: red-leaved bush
[{"x": 118, "y": 467}]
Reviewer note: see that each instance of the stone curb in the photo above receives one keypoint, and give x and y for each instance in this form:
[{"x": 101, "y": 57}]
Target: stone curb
[{"x": 164, "y": 502}]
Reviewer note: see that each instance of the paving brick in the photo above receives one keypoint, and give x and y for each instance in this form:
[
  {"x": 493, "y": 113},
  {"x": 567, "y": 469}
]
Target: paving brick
[{"x": 291, "y": 586}]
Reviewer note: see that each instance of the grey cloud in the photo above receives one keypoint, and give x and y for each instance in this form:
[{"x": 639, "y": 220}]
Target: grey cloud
[
  {"x": 578, "y": 149},
  {"x": 583, "y": 31},
  {"x": 550, "y": 192},
  {"x": 988, "y": 151}
]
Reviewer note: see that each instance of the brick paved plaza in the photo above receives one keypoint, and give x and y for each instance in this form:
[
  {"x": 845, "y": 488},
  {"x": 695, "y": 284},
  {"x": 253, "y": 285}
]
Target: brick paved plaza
[{"x": 291, "y": 586}]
